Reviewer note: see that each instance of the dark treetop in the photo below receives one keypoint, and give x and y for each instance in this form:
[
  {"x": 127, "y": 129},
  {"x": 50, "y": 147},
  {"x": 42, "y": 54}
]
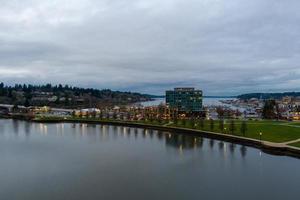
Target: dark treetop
[
  {"x": 65, "y": 96},
  {"x": 268, "y": 95}
]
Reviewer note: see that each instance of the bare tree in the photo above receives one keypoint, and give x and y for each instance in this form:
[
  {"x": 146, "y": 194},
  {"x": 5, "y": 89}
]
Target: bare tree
[
  {"x": 232, "y": 126},
  {"x": 244, "y": 128}
]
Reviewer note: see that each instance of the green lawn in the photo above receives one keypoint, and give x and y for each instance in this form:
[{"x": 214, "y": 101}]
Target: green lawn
[
  {"x": 297, "y": 144},
  {"x": 295, "y": 123},
  {"x": 273, "y": 131}
]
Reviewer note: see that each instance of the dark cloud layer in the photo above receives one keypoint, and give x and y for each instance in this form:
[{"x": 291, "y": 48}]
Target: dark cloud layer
[{"x": 221, "y": 46}]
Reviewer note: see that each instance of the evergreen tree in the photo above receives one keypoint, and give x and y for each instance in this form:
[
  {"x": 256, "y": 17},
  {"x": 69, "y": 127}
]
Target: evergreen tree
[
  {"x": 151, "y": 118},
  {"x": 221, "y": 125},
  {"x": 1, "y": 89},
  {"x": 175, "y": 120},
  {"x": 192, "y": 122},
  {"x": 26, "y": 103},
  {"x": 183, "y": 122},
  {"x": 232, "y": 126},
  {"x": 115, "y": 116},
  {"x": 269, "y": 109},
  {"x": 67, "y": 100},
  {"x": 73, "y": 113},
  {"x": 201, "y": 123},
  {"x": 159, "y": 120},
  {"x": 94, "y": 113},
  {"x": 212, "y": 124},
  {"x": 128, "y": 116}
]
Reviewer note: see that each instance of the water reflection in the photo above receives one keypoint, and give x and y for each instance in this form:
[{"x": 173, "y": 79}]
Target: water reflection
[
  {"x": 27, "y": 128},
  {"x": 115, "y": 129},
  {"x": 211, "y": 143},
  {"x": 144, "y": 133},
  {"x": 93, "y": 125},
  {"x": 103, "y": 133},
  {"x": 2, "y": 128},
  {"x": 231, "y": 148},
  {"x": 135, "y": 131},
  {"x": 151, "y": 133},
  {"x": 87, "y": 161},
  {"x": 16, "y": 127},
  {"x": 221, "y": 145},
  {"x": 159, "y": 135},
  {"x": 43, "y": 129},
  {"x": 243, "y": 150},
  {"x": 128, "y": 132},
  {"x": 183, "y": 142}
]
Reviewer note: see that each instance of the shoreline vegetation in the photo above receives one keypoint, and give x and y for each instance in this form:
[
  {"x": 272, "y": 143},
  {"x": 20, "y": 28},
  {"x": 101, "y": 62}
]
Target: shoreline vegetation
[
  {"x": 66, "y": 96},
  {"x": 268, "y": 95},
  {"x": 275, "y": 137}
]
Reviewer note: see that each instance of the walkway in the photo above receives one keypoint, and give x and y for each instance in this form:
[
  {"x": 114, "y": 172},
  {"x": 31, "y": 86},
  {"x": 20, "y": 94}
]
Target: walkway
[
  {"x": 168, "y": 124},
  {"x": 291, "y": 142}
]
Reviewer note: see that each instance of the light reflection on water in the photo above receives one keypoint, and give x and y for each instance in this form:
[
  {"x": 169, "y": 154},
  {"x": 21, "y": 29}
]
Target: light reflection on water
[
  {"x": 105, "y": 132},
  {"x": 89, "y": 161}
]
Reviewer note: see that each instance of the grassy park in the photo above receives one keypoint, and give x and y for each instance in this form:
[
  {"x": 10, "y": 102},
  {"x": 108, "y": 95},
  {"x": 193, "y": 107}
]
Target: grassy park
[
  {"x": 296, "y": 144},
  {"x": 273, "y": 131}
]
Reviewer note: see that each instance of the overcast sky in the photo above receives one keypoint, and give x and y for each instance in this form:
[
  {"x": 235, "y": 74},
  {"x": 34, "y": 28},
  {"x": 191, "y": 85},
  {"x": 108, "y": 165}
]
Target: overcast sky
[{"x": 224, "y": 47}]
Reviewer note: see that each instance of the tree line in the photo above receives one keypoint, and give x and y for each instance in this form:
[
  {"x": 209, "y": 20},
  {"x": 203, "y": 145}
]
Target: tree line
[
  {"x": 266, "y": 96},
  {"x": 195, "y": 123},
  {"x": 23, "y": 93}
]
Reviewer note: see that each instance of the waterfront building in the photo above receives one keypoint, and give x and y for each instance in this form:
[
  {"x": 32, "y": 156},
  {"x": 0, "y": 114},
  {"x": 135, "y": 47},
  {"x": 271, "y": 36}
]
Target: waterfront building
[
  {"x": 251, "y": 114},
  {"x": 185, "y": 100},
  {"x": 294, "y": 115}
]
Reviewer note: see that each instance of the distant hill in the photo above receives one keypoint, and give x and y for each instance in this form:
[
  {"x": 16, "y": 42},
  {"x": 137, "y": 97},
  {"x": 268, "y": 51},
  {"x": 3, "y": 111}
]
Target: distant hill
[
  {"x": 219, "y": 97},
  {"x": 163, "y": 96},
  {"x": 268, "y": 95},
  {"x": 66, "y": 96},
  {"x": 157, "y": 96}
]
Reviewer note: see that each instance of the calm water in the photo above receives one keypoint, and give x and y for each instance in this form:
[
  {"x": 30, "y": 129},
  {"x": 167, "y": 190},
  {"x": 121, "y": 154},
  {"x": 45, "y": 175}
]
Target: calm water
[{"x": 79, "y": 161}]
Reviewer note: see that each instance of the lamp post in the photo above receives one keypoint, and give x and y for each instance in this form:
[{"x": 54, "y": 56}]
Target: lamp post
[{"x": 260, "y": 134}]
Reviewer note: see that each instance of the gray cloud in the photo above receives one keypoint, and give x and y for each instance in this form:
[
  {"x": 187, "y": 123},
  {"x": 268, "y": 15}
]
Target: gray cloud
[{"x": 221, "y": 46}]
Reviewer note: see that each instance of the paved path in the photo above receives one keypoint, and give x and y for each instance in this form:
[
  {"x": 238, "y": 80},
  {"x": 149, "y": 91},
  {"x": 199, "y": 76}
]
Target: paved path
[
  {"x": 282, "y": 144},
  {"x": 291, "y": 142},
  {"x": 290, "y": 125},
  {"x": 168, "y": 124}
]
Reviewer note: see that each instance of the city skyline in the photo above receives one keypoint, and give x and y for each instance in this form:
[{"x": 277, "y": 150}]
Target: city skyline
[{"x": 223, "y": 47}]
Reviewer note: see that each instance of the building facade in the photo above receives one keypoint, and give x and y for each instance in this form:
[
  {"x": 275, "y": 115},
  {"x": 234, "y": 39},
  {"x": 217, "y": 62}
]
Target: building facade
[{"x": 187, "y": 100}]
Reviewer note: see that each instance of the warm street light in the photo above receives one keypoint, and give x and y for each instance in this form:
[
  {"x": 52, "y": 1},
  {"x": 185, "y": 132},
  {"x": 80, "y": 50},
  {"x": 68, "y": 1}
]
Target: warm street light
[{"x": 260, "y": 134}]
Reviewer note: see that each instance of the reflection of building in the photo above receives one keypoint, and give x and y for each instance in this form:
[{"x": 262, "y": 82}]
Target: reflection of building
[
  {"x": 186, "y": 100},
  {"x": 183, "y": 141},
  {"x": 251, "y": 114}
]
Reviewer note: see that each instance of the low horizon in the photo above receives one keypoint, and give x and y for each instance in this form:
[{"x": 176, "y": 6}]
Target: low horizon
[{"x": 162, "y": 94}]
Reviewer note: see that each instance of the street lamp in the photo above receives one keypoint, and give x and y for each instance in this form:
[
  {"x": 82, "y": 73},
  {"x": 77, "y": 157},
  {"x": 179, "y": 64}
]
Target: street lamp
[{"x": 260, "y": 134}]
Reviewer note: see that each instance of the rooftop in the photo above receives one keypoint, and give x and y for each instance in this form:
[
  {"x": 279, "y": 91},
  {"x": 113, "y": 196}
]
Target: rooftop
[{"x": 184, "y": 89}]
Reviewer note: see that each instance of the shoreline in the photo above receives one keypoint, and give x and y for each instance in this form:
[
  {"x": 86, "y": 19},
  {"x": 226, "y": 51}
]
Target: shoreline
[{"x": 267, "y": 147}]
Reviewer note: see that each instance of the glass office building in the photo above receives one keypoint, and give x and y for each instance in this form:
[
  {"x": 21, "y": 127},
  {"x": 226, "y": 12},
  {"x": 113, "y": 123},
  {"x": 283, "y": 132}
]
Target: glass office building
[{"x": 186, "y": 100}]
